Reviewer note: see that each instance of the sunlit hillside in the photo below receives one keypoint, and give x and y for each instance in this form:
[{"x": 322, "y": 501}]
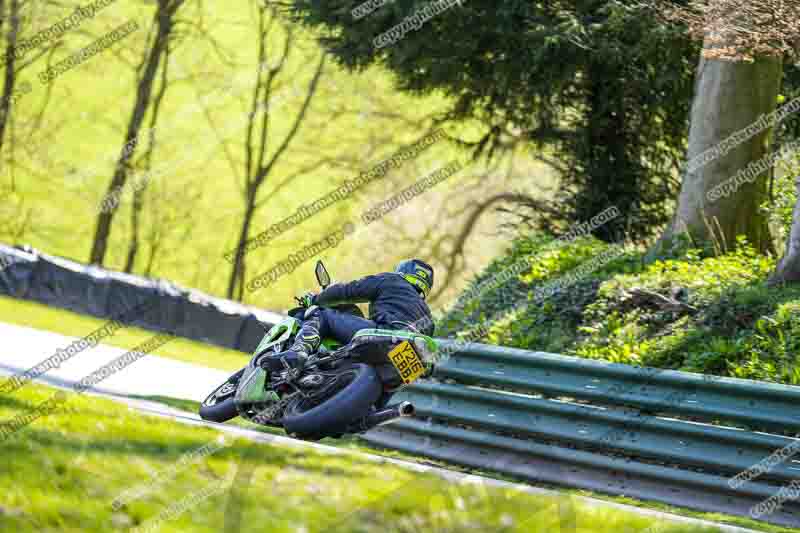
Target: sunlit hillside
[{"x": 58, "y": 168}]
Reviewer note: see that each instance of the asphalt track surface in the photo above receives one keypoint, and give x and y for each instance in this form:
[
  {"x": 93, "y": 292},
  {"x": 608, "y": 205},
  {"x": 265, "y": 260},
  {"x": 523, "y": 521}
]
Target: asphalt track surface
[{"x": 24, "y": 347}]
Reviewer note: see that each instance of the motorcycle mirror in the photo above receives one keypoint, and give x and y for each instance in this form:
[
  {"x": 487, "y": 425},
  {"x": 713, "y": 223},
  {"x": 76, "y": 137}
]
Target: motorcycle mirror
[{"x": 323, "y": 278}]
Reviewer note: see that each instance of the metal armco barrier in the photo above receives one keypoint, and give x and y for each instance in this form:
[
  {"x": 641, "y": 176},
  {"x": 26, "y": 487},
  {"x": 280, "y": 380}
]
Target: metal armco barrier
[{"x": 652, "y": 434}]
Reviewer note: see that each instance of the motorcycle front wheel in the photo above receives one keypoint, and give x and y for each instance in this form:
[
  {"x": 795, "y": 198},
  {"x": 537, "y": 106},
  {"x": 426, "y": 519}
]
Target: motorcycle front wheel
[{"x": 219, "y": 406}]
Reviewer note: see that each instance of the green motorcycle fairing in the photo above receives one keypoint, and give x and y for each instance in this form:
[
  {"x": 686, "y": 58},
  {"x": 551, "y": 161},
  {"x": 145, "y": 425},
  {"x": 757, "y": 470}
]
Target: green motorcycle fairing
[
  {"x": 252, "y": 388},
  {"x": 278, "y": 334}
]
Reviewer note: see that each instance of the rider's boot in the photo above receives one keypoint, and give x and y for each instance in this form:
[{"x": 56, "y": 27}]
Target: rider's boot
[{"x": 306, "y": 342}]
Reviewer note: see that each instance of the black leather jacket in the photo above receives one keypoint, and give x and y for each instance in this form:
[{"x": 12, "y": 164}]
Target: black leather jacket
[{"x": 393, "y": 302}]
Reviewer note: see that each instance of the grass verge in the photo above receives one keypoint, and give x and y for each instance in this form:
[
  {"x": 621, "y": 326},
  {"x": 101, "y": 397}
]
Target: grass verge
[
  {"x": 64, "y": 471},
  {"x": 356, "y": 444}
]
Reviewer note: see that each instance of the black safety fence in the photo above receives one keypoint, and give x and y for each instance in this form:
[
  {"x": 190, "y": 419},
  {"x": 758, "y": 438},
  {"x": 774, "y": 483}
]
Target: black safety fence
[{"x": 154, "y": 304}]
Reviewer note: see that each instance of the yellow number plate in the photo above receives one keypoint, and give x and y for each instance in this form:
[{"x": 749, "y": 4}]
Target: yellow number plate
[{"x": 407, "y": 362}]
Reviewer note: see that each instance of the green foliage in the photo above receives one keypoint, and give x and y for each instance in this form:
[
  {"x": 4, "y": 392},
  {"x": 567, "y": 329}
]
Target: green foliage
[
  {"x": 544, "y": 260},
  {"x": 780, "y": 208},
  {"x": 783, "y": 199},
  {"x": 486, "y": 299},
  {"x": 771, "y": 352},
  {"x": 605, "y": 84},
  {"x": 722, "y": 318},
  {"x": 785, "y": 194},
  {"x": 15, "y": 217},
  {"x": 727, "y": 294},
  {"x": 789, "y": 127}
]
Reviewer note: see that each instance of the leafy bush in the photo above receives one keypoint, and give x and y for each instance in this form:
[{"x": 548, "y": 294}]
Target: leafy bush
[
  {"x": 712, "y": 315},
  {"x": 533, "y": 260}
]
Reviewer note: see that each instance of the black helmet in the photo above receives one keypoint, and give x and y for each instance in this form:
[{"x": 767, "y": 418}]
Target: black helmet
[{"x": 418, "y": 273}]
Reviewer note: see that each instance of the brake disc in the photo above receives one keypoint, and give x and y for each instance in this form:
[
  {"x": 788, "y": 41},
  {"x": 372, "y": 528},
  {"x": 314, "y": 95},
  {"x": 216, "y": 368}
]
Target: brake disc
[{"x": 226, "y": 389}]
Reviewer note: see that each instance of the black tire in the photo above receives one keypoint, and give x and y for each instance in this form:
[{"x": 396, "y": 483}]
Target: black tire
[
  {"x": 221, "y": 408},
  {"x": 332, "y": 416}
]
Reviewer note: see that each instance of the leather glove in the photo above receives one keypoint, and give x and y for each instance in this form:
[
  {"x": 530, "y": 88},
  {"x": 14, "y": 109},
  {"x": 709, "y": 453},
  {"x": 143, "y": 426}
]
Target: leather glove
[{"x": 306, "y": 300}]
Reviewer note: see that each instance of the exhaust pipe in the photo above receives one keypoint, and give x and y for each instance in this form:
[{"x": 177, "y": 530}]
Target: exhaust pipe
[
  {"x": 402, "y": 409},
  {"x": 406, "y": 409}
]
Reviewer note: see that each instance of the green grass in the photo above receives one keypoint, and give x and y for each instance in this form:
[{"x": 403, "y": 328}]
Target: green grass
[
  {"x": 63, "y": 472},
  {"x": 39, "y": 316},
  {"x": 353, "y": 443},
  {"x": 735, "y": 326}
]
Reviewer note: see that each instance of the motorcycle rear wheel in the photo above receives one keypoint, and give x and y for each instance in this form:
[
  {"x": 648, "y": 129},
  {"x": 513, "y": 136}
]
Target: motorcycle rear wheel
[{"x": 308, "y": 418}]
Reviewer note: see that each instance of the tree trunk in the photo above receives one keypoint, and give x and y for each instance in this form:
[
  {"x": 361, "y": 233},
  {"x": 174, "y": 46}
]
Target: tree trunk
[
  {"x": 133, "y": 247},
  {"x": 164, "y": 20},
  {"x": 729, "y": 97},
  {"x": 259, "y": 164},
  {"x": 154, "y": 243},
  {"x": 9, "y": 77},
  {"x": 237, "y": 273},
  {"x": 788, "y": 269},
  {"x": 144, "y": 178}
]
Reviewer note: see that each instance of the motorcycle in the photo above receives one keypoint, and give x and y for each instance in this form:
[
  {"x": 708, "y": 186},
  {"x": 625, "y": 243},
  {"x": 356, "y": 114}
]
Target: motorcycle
[{"x": 340, "y": 389}]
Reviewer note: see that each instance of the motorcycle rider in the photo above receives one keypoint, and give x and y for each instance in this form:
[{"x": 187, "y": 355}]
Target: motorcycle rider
[{"x": 396, "y": 301}]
